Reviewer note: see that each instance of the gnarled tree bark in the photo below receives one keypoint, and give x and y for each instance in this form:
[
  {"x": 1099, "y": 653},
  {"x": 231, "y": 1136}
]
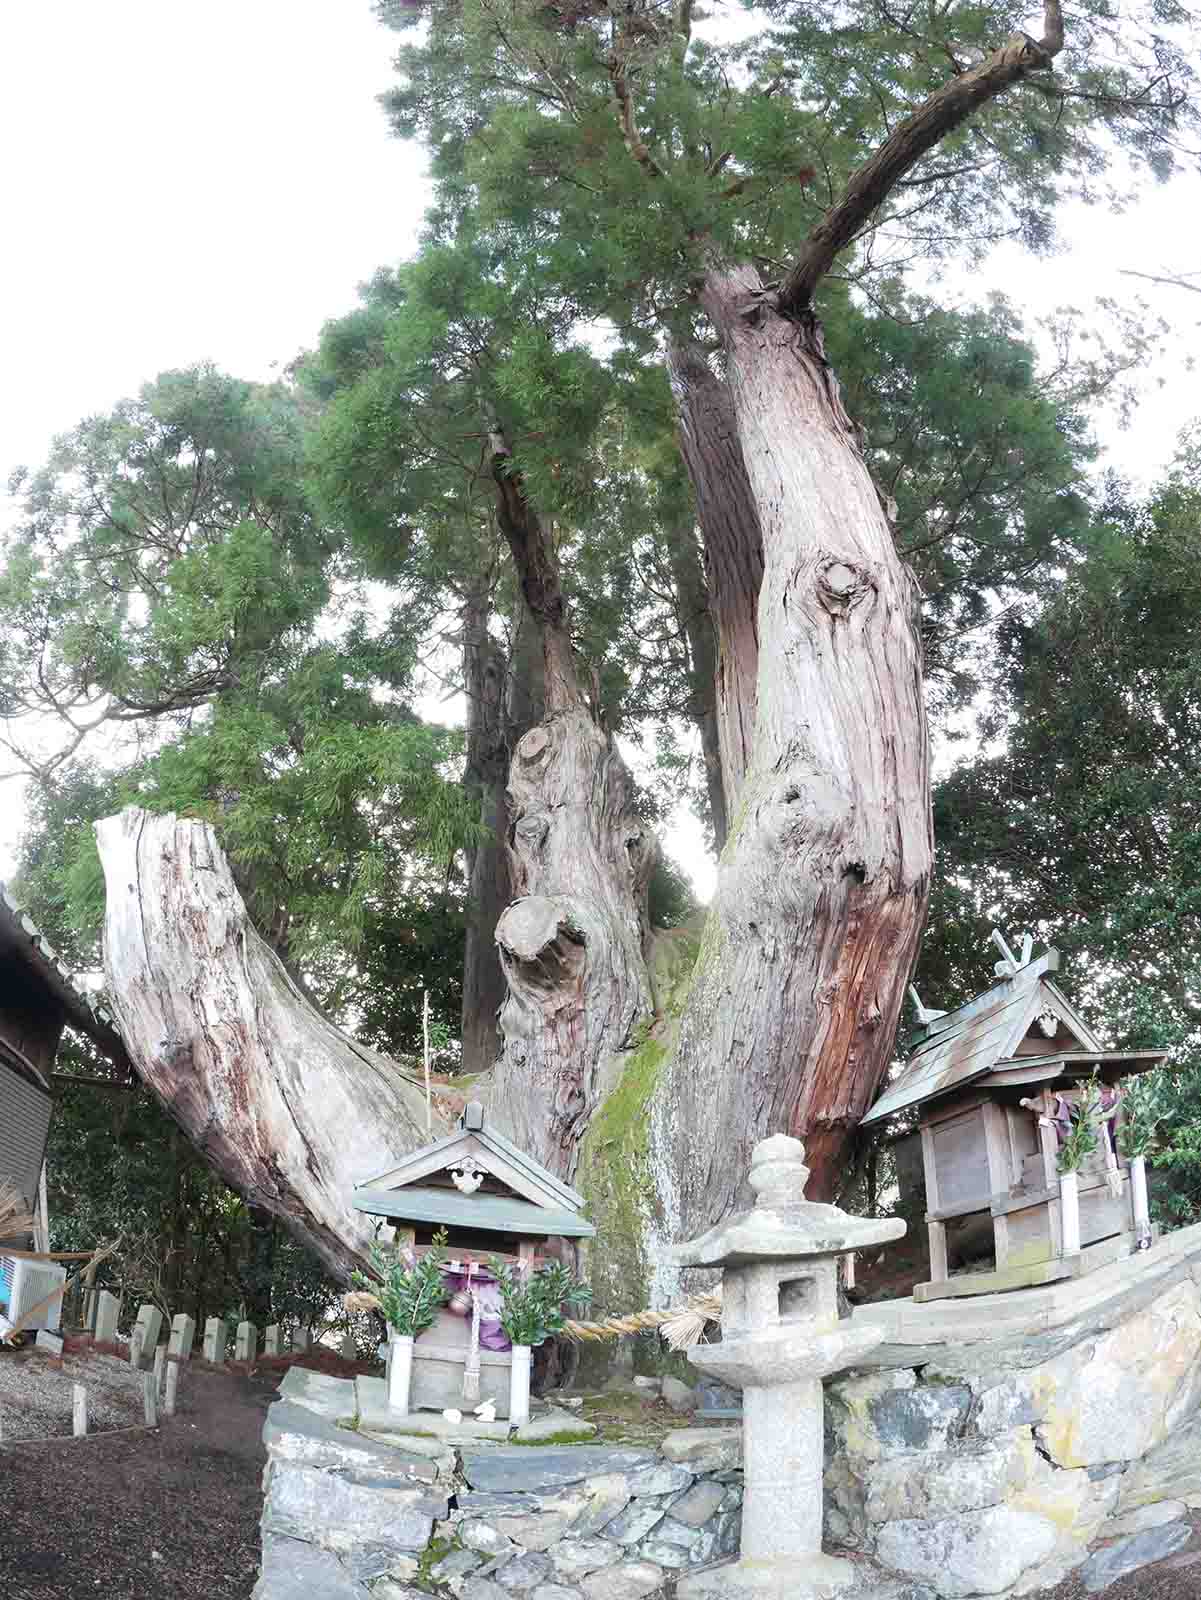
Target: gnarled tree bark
[
  {"x": 290, "y": 1111},
  {"x": 571, "y": 943},
  {"x": 822, "y": 889}
]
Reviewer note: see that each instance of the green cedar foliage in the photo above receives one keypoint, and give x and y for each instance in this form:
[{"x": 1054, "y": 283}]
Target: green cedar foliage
[
  {"x": 1079, "y": 817},
  {"x": 173, "y": 608},
  {"x": 615, "y": 149}
]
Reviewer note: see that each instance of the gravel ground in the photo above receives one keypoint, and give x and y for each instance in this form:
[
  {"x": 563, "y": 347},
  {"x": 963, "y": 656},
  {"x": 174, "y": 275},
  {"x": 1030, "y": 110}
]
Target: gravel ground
[
  {"x": 165, "y": 1514},
  {"x": 35, "y": 1393}
]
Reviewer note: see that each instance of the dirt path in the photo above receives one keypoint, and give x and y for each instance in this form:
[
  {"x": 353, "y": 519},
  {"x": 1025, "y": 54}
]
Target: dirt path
[{"x": 171, "y": 1515}]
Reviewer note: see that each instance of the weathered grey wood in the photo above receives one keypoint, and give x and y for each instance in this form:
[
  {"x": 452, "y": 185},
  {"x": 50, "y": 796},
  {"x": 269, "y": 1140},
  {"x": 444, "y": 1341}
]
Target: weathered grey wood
[
  {"x": 1003, "y": 1204},
  {"x": 149, "y": 1399},
  {"x": 572, "y": 945},
  {"x": 813, "y": 929},
  {"x": 821, "y": 893},
  {"x": 160, "y": 1361},
  {"x": 263, "y": 1084},
  {"x": 937, "y": 1234},
  {"x": 171, "y": 1388},
  {"x": 79, "y": 1410},
  {"x": 135, "y": 1347},
  {"x": 961, "y": 1160},
  {"x": 1001, "y": 1173}
]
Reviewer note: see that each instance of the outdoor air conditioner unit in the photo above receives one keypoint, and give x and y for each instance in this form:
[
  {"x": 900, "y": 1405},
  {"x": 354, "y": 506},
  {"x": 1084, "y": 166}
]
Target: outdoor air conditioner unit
[{"x": 22, "y": 1285}]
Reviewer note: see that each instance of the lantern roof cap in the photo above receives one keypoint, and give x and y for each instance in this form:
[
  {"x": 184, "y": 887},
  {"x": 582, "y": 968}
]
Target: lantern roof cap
[{"x": 782, "y": 1224}]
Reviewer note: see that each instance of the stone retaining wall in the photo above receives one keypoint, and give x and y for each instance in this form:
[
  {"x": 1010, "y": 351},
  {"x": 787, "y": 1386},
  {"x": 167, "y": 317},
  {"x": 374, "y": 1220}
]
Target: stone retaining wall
[{"x": 960, "y": 1466}]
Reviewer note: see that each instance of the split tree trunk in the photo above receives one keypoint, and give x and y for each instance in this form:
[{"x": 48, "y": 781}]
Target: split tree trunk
[
  {"x": 291, "y": 1112},
  {"x": 696, "y": 619},
  {"x": 504, "y": 699},
  {"x": 572, "y": 942},
  {"x": 488, "y": 887},
  {"x": 729, "y": 518},
  {"x": 822, "y": 889}
]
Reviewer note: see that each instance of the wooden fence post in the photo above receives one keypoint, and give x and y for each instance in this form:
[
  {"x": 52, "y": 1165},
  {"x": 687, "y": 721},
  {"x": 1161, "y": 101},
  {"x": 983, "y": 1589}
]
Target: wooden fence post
[
  {"x": 79, "y": 1410},
  {"x": 150, "y": 1399},
  {"x": 172, "y": 1388}
]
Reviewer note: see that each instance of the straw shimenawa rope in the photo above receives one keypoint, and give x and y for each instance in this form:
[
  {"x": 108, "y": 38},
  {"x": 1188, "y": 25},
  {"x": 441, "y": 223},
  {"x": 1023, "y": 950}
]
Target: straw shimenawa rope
[{"x": 681, "y": 1326}]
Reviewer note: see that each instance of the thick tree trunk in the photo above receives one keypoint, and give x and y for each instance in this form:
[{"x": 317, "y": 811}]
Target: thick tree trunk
[
  {"x": 488, "y": 886},
  {"x": 729, "y": 519},
  {"x": 823, "y": 886},
  {"x": 571, "y": 943},
  {"x": 291, "y": 1112}
]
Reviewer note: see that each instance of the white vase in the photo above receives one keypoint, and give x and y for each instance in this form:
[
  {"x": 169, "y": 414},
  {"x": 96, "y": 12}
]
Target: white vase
[
  {"x": 519, "y": 1384},
  {"x": 1069, "y": 1212},
  {"x": 1140, "y": 1211},
  {"x": 400, "y": 1371}
]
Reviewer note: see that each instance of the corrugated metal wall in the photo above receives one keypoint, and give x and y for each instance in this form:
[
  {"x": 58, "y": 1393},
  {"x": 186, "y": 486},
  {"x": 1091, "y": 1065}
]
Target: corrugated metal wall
[{"x": 24, "y": 1124}]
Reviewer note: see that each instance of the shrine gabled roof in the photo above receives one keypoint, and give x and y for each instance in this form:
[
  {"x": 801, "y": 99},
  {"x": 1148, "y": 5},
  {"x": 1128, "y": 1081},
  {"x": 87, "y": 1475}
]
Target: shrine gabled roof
[
  {"x": 497, "y": 1155},
  {"x": 981, "y": 1035},
  {"x": 22, "y": 940},
  {"x": 490, "y": 1213}
]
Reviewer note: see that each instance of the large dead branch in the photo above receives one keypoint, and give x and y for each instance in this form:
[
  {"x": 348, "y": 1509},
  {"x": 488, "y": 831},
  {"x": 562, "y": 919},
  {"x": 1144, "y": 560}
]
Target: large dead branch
[
  {"x": 914, "y": 138},
  {"x": 291, "y": 1112}
]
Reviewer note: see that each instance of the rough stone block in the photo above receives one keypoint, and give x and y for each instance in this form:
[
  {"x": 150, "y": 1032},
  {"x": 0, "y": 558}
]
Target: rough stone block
[
  {"x": 107, "y": 1310},
  {"x": 930, "y": 1417},
  {"x": 678, "y": 1395},
  {"x": 525, "y": 1572},
  {"x": 661, "y": 1478},
  {"x": 482, "y": 1536},
  {"x": 672, "y": 1556},
  {"x": 293, "y": 1570},
  {"x": 1118, "y": 1397},
  {"x": 979, "y": 1552},
  {"x": 635, "y": 1522},
  {"x": 960, "y": 1480},
  {"x": 1106, "y": 1566},
  {"x": 1152, "y": 1516},
  {"x": 554, "y": 1591},
  {"x": 608, "y": 1496},
  {"x": 699, "y": 1503},
  {"x": 704, "y": 1449},
  {"x": 1172, "y": 1471},
  {"x": 340, "y": 1516},
  {"x": 563, "y": 1426},
  {"x": 535, "y": 1470},
  {"x": 630, "y": 1580},
  {"x": 293, "y": 1433},
  {"x": 329, "y": 1397},
  {"x": 51, "y": 1343},
  {"x": 576, "y": 1558}
]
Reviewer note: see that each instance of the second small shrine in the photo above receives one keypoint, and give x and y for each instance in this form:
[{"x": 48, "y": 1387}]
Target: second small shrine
[
  {"x": 494, "y": 1203},
  {"x": 997, "y": 1085}
]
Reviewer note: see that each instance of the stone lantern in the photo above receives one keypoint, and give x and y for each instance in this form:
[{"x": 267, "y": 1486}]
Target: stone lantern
[{"x": 781, "y": 1335}]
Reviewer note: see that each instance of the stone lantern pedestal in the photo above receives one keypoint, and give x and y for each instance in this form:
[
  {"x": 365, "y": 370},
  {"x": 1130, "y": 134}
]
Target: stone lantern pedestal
[{"x": 781, "y": 1335}]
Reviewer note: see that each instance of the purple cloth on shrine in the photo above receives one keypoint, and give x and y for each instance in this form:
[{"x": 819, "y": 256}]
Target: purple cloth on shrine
[{"x": 492, "y": 1335}]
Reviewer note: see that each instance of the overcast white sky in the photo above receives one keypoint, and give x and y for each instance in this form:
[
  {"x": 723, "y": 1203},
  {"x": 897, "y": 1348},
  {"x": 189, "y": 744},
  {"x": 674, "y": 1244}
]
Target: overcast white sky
[{"x": 187, "y": 183}]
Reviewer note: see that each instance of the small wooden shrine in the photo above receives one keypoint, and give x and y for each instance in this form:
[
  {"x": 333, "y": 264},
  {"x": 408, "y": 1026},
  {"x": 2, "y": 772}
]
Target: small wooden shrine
[
  {"x": 998, "y": 1082},
  {"x": 493, "y": 1201}
]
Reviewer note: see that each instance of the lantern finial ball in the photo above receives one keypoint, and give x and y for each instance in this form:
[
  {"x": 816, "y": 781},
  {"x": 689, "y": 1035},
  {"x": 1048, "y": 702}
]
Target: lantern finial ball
[{"x": 778, "y": 1172}]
